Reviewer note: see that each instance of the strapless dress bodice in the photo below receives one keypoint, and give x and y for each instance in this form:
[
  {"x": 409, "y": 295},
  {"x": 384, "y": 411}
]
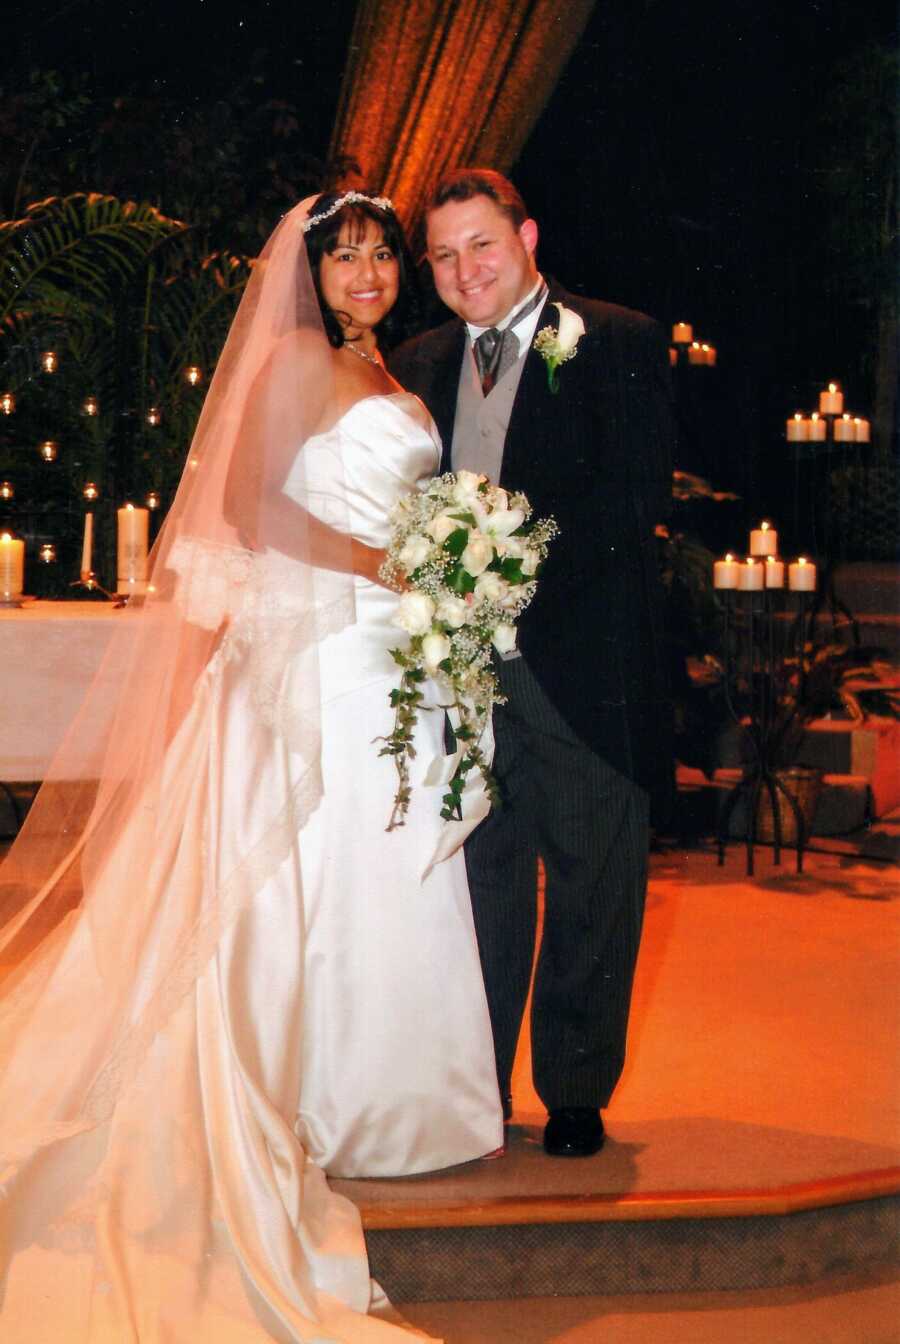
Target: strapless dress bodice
[{"x": 352, "y": 474}]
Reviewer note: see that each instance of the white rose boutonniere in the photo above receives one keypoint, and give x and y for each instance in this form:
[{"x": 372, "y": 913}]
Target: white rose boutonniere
[{"x": 557, "y": 346}]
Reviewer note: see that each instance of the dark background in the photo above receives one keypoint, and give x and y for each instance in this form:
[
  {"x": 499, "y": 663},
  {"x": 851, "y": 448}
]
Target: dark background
[{"x": 732, "y": 166}]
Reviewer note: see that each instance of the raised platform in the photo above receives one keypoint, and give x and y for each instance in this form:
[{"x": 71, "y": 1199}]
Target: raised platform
[{"x": 754, "y": 1140}]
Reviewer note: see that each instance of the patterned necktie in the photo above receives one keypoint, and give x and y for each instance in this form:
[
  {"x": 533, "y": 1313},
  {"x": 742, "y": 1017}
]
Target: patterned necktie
[{"x": 496, "y": 351}]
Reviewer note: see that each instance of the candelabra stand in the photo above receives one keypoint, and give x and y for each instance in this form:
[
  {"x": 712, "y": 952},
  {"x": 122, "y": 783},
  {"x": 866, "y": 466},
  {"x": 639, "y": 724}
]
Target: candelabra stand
[
  {"x": 88, "y": 579},
  {"x": 755, "y": 662}
]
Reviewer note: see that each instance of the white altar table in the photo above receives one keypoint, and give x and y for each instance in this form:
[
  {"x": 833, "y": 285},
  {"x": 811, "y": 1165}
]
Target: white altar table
[{"x": 49, "y": 653}]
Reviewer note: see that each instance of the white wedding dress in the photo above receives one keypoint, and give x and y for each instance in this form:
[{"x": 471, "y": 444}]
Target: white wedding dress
[{"x": 340, "y": 1027}]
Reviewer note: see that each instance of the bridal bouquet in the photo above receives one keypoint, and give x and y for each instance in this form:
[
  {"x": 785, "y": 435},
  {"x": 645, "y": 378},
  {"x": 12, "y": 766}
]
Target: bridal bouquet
[{"x": 468, "y": 556}]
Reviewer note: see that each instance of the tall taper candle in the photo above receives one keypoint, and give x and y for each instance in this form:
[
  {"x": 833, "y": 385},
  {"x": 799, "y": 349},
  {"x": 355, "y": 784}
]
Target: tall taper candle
[
  {"x": 132, "y": 549},
  {"x": 88, "y": 544}
]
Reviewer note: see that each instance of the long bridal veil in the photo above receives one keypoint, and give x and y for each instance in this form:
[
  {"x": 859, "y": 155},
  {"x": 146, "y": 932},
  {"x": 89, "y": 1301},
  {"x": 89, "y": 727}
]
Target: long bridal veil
[{"x": 114, "y": 908}]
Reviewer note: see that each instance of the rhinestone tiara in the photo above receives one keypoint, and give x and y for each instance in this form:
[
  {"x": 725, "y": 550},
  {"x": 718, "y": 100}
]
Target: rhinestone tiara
[{"x": 348, "y": 198}]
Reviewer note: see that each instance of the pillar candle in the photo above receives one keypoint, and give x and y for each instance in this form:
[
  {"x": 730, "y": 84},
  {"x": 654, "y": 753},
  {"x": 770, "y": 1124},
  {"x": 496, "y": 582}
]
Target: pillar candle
[
  {"x": 673, "y": 356},
  {"x": 797, "y": 428},
  {"x": 818, "y": 428},
  {"x": 133, "y": 527},
  {"x": 682, "y": 333},
  {"x": 764, "y": 540},
  {"x": 862, "y": 429},
  {"x": 802, "y": 576},
  {"x": 831, "y": 401},
  {"x": 87, "y": 544},
  {"x": 750, "y": 578},
  {"x": 844, "y": 430},
  {"x": 725, "y": 572},
  {"x": 695, "y": 354},
  {"x": 709, "y": 354},
  {"x": 12, "y": 566},
  {"x": 774, "y": 572}
]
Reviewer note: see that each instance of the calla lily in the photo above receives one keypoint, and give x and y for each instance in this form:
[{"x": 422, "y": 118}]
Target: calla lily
[{"x": 571, "y": 329}]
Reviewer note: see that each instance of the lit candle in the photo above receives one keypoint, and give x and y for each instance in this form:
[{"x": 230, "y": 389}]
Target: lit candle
[
  {"x": 774, "y": 572},
  {"x": 49, "y": 450},
  {"x": 47, "y": 553},
  {"x": 90, "y": 491},
  {"x": 153, "y": 500},
  {"x": 844, "y": 430},
  {"x": 673, "y": 356},
  {"x": 725, "y": 572},
  {"x": 7, "y": 403},
  {"x": 831, "y": 401},
  {"x": 12, "y": 566},
  {"x": 87, "y": 544},
  {"x": 818, "y": 428},
  {"x": 193, "y": 374},
  {"x": 90, "y": 406},
  {"x": 695, "y": 353},
  {"x": 764, "y": 540},
  {"x": 131, "y": 567},
  {"x": 7, "y": 490},
  {"x": 797, "y": 428},
  {"x": 682, "y": 333},
  {"x": 709, "y": 354},
  {"x": 862, "y": 429},
  {"x": 750, "y": 578},
  {"x": 49, "y": 361},
  {"x": 802, "y": 576},
  {"x": 153, "y": 415}
]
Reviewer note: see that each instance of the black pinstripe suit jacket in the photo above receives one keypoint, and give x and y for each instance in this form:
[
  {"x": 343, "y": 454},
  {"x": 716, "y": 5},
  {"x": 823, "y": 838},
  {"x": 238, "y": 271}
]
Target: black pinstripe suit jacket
[{"x": 598, "y": 456}]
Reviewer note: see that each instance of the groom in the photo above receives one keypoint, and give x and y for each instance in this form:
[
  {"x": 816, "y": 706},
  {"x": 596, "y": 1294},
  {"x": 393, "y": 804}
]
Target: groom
[{"x": 585, "y": 727}]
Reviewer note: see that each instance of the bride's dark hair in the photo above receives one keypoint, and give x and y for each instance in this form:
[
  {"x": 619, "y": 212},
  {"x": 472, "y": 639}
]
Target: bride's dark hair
[{"x": 322, "y": 238}]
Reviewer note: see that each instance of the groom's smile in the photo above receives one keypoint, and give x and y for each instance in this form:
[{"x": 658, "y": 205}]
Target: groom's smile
[{"x": 482, "y": 264}]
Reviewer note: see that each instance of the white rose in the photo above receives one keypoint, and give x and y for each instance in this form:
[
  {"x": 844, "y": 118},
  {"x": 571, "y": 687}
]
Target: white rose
[
  {"x": 414, "y": 614},
  {"x": 453, "y": 611},
  {"x": 435, "y": 648},
  {"x": 504, "y": 637},
  {"x": 491, "y": 586},
  {"x": 441, "y": 526},
  {"x": 571, "y": 329},
  {"x": 415, "y": 552},
  {"x": 478, "y": 555},
  {"x": 465, "y": 490},
  {"x": 530, "y": 560}
]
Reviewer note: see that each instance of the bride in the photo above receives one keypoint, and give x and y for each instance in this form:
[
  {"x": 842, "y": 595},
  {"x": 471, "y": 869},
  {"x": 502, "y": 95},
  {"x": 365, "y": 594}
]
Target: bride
[{"x": 222, "y": 978}]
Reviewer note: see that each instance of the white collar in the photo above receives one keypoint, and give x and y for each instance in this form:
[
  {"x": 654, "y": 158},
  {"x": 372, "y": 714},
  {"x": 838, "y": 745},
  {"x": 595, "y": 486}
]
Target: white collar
[{"x": 475, "y": 332}]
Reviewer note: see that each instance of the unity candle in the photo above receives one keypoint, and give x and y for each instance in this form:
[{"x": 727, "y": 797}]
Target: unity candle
[
  {"x": 682, "y": 333},
  {"x": 131, "y": 566},
  {"x": 725, "y": 572},
  {"x": 802, "y": 576},
  {"x": 87, "y": 544},
  {"x": 831, "y": 401},
  {"x": 818, "y": 428},
  {"x": 764, "y": 540},
  {"x": 797, "y": 428},
  {"x": 750, "y": 577},
  {"x": 774, "y": 572},
  {"x": 12, "y": 566}
]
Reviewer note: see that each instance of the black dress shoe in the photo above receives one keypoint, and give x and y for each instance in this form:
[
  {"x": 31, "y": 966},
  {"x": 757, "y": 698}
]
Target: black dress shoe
[{"x": 574, "y": 1131}]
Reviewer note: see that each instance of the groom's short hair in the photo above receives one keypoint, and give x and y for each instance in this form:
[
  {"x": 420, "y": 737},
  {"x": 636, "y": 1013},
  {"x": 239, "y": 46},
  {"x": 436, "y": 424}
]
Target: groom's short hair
[{"x": 463, "y": 183}]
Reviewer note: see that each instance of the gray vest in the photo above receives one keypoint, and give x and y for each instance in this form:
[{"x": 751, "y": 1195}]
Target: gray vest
[{"x": 481, "y": 422}]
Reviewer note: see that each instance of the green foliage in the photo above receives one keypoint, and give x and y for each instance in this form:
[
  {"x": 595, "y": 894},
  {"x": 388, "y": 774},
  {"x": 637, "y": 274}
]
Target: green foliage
[{"x": 127, "y": 298}]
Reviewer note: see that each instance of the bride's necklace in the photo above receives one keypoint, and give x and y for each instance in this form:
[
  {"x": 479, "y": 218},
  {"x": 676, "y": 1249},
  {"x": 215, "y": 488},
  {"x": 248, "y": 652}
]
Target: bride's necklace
[{"x": 362, "y": 354}]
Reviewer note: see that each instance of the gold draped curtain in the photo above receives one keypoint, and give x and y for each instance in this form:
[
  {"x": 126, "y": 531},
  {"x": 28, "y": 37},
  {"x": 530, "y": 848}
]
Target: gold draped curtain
[{"x": 432, "y": 85}]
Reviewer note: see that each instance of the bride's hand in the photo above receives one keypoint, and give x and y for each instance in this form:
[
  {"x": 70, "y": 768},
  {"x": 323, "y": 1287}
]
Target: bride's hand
[{"x": 367, "y": 562}]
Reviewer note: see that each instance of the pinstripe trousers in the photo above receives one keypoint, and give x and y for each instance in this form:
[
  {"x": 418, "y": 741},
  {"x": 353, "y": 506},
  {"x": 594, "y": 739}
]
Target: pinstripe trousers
[{"x": 590, "y": 826}]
